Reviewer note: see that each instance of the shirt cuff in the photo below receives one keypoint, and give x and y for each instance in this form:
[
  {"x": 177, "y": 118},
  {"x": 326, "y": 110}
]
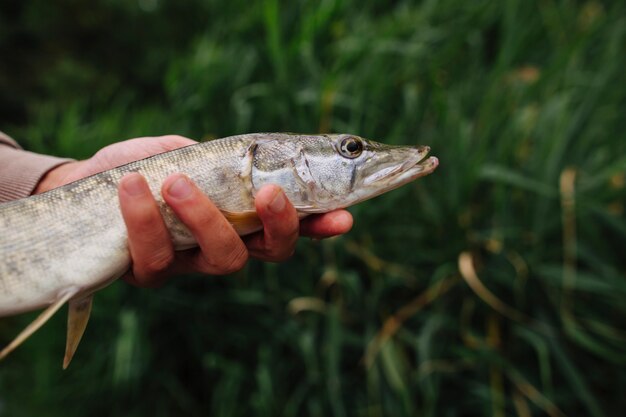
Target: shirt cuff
[
  {"x": 21, "y": 171},
  {"x": 6, "y": 139}
]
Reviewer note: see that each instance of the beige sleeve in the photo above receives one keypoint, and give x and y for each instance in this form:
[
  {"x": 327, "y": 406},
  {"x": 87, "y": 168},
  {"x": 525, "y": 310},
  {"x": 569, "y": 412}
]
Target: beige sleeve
[{"x": 20, "y": 170}]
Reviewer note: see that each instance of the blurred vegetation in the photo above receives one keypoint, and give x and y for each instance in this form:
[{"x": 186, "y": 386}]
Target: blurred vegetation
[{"x": 494, "y": 287}]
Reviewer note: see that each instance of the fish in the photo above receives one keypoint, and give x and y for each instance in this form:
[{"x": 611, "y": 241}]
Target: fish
[{"x": 61, "y": 246}]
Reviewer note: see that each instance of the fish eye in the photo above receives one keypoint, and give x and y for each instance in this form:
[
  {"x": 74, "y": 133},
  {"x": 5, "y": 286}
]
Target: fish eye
[{"x": 351, "y": 147}]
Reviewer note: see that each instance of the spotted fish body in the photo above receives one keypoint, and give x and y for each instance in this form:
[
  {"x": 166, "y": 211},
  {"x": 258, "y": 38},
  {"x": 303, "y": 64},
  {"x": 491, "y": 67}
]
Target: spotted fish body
[{"x": 62, "y": 245}]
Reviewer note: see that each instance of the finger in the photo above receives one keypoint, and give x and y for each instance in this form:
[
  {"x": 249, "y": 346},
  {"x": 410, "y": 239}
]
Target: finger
[
  {"x": 277, "y": 241},
  {"x": 149, "y": 242},
  {"x": 222, "y": 251},
  {"x": 325, "y": 225}
]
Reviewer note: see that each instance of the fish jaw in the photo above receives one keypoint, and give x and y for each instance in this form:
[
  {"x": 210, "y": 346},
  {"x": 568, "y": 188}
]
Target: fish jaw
[{"x": 390, "y": 168}]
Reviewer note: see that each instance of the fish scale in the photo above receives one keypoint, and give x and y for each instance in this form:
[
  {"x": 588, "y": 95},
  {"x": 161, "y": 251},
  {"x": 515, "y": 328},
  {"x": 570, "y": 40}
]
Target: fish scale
[{"x": 61, "y": 246}]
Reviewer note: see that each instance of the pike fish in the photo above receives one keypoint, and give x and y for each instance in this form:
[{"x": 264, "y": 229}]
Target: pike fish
[{"x": 63, "y": 245}]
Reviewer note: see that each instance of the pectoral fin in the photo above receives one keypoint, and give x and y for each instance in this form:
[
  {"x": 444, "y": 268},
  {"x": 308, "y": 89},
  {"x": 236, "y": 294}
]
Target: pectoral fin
[
  {"x": 77, "y": 318},
  {"x": 244, "y": 222},
  {"x": 39, "y": 321}
]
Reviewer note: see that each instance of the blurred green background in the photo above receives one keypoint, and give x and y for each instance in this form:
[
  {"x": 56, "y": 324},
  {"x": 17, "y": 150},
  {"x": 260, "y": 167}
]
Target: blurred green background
[{"x": 496, "y": 286}]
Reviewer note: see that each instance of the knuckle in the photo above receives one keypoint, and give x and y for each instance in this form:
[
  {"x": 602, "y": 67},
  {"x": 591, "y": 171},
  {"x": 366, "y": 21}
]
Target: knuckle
[
  {"x": 235, "y": 261},
  {"x": 157, "y": 264},
  {"x": 197, "y": 212},
  {"x": 146, "y": 221},
  {"x": 142, "y": 214},
  {"x": 280, "y": 254}
]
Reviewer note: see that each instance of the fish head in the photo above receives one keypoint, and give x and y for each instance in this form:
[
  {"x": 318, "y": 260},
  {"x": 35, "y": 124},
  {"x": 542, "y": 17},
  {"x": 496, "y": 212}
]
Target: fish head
[{"x": 326, "y": 172}]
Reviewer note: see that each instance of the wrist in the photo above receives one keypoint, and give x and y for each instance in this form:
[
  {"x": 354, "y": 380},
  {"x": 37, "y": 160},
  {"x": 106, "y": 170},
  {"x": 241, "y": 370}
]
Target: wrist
[{"x": 56, "y": 177}]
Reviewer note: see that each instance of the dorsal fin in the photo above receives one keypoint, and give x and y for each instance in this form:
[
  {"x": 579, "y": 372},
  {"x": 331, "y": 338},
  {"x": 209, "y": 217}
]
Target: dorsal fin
[
  {"x": 39, "y": 321},
  {"x": 77, "y": 318}
]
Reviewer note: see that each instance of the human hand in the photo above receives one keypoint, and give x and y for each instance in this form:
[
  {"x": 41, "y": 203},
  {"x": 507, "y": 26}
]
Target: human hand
[{"x": 220, "y": 249}]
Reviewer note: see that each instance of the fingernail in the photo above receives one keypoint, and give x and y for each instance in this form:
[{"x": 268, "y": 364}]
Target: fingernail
[
  {"x": 133, "y": 185},
  {"x": 278, "y": 203},
  {"x": 180, "y": 188}
]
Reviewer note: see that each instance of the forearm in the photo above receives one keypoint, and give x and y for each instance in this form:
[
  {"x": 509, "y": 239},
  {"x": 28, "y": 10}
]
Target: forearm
[{"x": 20, "y": 170}]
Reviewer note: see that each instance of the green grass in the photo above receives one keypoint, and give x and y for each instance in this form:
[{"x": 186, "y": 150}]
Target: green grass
[{"x": 494, "y": 287}]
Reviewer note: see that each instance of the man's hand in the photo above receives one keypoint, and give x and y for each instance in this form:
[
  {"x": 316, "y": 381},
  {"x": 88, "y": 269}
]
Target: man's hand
[{"x": 220, "y": 250}]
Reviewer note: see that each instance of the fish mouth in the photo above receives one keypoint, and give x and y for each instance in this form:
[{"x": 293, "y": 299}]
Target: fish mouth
[{"x": 398, "y": 173}]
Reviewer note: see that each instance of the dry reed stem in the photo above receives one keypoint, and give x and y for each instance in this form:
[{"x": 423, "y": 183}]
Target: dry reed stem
[
  {"x": 568, "y": 213},
  {"x": 468, "y": 272},
  {"x": 394, "y": 323}
]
